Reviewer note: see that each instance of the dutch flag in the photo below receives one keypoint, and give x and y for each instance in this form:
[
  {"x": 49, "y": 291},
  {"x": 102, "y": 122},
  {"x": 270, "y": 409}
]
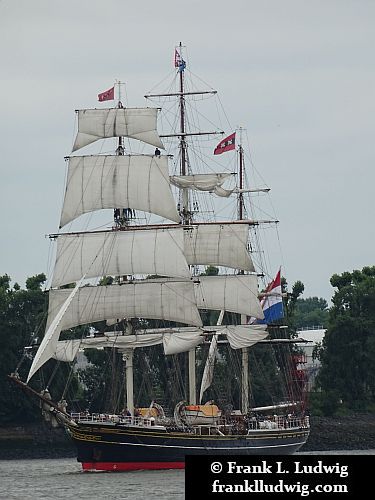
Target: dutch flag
[{"x": 272, "y": 304}]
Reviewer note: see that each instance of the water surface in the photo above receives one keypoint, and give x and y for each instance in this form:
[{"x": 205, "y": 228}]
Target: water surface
[
  {"x": 40, "y": 479},
  {"x": 62, "y": 478}
]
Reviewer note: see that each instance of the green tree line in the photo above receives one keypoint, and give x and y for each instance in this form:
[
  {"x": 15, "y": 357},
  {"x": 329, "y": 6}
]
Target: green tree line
[
  {"x": 346, "y": 379},
  {"x": 22, "y": 317}
]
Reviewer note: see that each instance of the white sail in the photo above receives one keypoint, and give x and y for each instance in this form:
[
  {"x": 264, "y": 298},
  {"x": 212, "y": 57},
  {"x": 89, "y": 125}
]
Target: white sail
[
  {"x": 48, "y": 345},
  {"x": 166, "y": 252},
  {"x": 241, "y": 336},
  {"x": 208, "y": 371},
  {"x": 124, "y": 341},
  {"x": 218, "y": 245},
  {"x": 136, "y": 123},
  {"x": 175, "y": 343},
  {"x": 175, "y": 340},
  {"x": 203, "y": 182},
  {"x": 66, "y": 350},
  {"x": 235, "y": 293},
  {"x": 238, "y": 336},
  {"x": 165, "y": 300},
  {"x": 118, "y": 253},
  {"x": 139, "y": 182}
]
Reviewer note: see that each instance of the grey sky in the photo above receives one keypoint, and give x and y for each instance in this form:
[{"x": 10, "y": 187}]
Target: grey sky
[{"x": 298, "y": 75}]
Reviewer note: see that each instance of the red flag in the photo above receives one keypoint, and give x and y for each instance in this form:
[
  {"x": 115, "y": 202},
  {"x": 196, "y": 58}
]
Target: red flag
[
  {"x": 108, "y": 95},
  {"x": 226, "y": 144}
]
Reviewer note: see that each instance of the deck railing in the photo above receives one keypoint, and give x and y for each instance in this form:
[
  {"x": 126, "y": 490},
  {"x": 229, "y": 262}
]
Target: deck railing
[
  {"x": 108, "y": 418},
  {"x": 279, "y": 422},
  {"x": 275, "y": 422}
]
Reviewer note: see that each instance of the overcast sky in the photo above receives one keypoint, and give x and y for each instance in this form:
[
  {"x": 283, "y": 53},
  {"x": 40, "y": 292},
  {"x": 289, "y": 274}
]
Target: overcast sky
[{"x": 297, "y": 74}]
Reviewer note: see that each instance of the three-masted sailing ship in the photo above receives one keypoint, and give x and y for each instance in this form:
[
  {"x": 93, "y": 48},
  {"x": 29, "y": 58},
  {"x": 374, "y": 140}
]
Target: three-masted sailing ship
[{"x": 158, "y": 296}]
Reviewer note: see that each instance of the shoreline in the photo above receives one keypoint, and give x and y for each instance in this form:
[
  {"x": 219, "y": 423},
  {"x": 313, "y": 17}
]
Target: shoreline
[{"x": 350, "y": 432}]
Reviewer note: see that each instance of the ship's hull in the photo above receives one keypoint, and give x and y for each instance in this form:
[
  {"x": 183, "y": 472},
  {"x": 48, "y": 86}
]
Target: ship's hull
[{"x": 127, "y": 448}]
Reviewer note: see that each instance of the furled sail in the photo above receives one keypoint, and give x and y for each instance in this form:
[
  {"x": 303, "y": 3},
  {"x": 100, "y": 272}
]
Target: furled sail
[
  {"x": 139, "y": 182},
  {"x": 203, "y": 182},
  {"x": 174, "y": 340},
  {"x": 118, "y": 253},
  {"x": 218, "y": 245},
  {"x": 240, "y": 336},
  {"x": 136, "y": 123},
  {"x": 156, "y": 299},
  {"x": 66, "y": 350},
  {"x": 175, "y": 343},
  {"x": 235, "y": 293}
]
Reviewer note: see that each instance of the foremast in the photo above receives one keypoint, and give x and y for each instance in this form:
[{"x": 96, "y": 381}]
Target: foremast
[{"x": 122, "y": 217}]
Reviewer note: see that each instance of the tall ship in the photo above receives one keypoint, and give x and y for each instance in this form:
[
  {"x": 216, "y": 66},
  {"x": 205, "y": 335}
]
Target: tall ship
[{"x": 173, "y": 294}]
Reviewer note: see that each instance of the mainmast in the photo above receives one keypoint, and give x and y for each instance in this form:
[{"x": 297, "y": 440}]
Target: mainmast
[
  {"x": 180, "y": 65},
  {"x": 245, "y": 386},
  {"x": 241, "y": 204},
  {"x": 184, "y": 202},
  {"x": 185, "y": 212},
  {"x": 185, "y": 206}
]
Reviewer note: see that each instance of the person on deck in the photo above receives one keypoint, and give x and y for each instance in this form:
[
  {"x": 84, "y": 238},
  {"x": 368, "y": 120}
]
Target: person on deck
[{"x": 137, "y": 413}]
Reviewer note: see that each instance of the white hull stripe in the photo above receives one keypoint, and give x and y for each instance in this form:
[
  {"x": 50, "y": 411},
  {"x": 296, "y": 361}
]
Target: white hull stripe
[{"x": 239, "y": 448}]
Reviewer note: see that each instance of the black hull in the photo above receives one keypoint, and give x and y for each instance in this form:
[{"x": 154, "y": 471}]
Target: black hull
[{"x": 127, "y": 448}]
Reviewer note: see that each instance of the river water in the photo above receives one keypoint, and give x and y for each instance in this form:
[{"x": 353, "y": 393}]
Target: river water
[{"x": 39, "y": 479}]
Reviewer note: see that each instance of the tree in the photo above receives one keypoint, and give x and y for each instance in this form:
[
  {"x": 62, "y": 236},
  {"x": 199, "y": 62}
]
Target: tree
[
  {"x": 211, "y": 271},
  {"x": 348, "y": 351},
  {"x": 22, "y": 314},
  {"x": 312, "y": 311},
  {"x": 290, "y": 302}
]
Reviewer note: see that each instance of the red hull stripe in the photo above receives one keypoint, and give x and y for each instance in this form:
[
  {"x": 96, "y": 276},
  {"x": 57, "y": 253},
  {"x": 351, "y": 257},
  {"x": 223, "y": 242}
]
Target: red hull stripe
[{"x": 122, "y": 466}]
